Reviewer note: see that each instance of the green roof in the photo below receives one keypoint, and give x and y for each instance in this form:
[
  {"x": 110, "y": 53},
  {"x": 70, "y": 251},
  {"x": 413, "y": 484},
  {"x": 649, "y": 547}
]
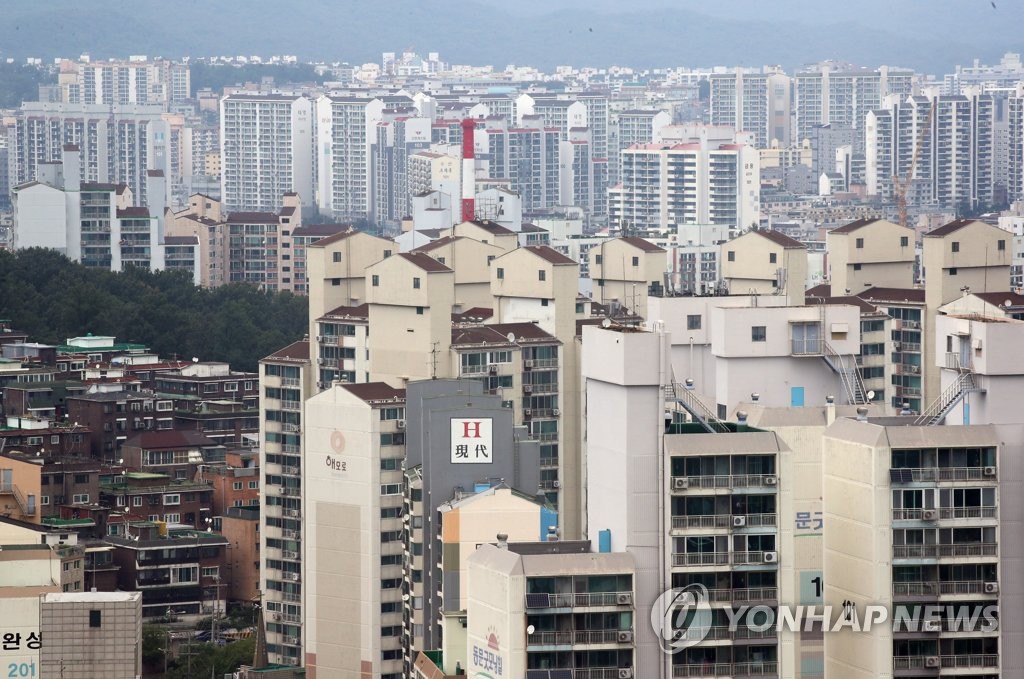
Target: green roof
[
  {"x": 68, "y": 349},
  {"x": 57, "y": 521},
  {"x": 145, "y": 475}
]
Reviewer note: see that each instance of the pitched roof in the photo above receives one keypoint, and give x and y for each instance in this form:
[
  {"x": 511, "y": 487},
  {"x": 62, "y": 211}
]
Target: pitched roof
[
  {"x": 170, "y": 438},
  {"x": 296, "y": 351},
  {"x": 853, "y": 226},
  {"x": 863, "y": 305},
  {"x": 474, "y": 312},
  {"x": 780, "y": 238},
  {"x": 133, "y": 212},
  {"x": 425, "y": 262},
  {"x": 915, "y": 295},
  {"x": 642, "y": 244},
  {"x": 322, "y": 230},
  {"x": 949, "y": 228},
  {"x": 355, "y": 312},
  {"x": 492, "y": 227},
  {"x": 523, "y": 331},
  {"x": 1000, "y": 299},
  {"x": 549, "y": 254},
  {"x": 531, "y": 228},
  {"x": 252, "y": 218},
  {"x": 375, "y": 391},
  {"x": 181, "y": 240},
  {"x": 435, "y": 244},
  {"x": 331, "y": 240}
]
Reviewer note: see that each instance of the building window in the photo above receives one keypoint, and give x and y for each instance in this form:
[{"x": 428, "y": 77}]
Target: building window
[
  {"x": 636, "y": 261},
  {"x": 544, "y": 302},
  {"x": 856, "y": 267},
  {"x": 860, "y": 243},
  {"x": 419, "y": 311},
  {"x": 772, "y": 258},
  {"x": 80, "y": 499},
  {"x": 956, "y": 246},
  {"x": 254, "y": 485},
  {"x": 237, "y": 485},
  {"x": 137, "y": 501},
  {"x": 336, "y": 257},
  {"x": 758, "y": 334},
  {"x": 731, "y": 256},
  {"x": 904, "y": 241},
  {"x": 375, "y": 280},
  {"x": 1001, "y": 245},
  {"x": 542, "y": 275},
  {"x": 231, "y": 386},
  {"x": 44, "y": 500},
  {"x": 415, "y": 283},
  {"x": 952, "y": 271},
  {"x": 95, "y": 618},
  {"x": 597, "y": 259},
  {"x": 501, "y": 273},
  {"x": 693, "y": 322},
  {"x": 173, "y": 499}
]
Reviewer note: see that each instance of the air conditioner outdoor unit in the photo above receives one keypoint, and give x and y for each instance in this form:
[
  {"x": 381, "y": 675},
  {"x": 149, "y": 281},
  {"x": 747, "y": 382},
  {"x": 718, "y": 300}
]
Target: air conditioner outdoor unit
[
  {"x": 527, "y": 388},
  {"x": 771, "y": 480},
  {"x": 527, "y": 413},
  {"x": 739, "y": 521},
  {"x": 991, "y": 588},
  {"x": 319, "y": 338},
  {"x": 556, "y": 412},
  {"x": 771, "y": 557},
  {"x": 294, "y": 577},
  {"x": 400, "y": 424},
  {"x": 624, "y": 599},
  {"x": 988, "y": 471},
  {"x": 625, "y": 637},
  {"x": 319, "y": 361},
  {"x": 556, "y": 484},
  {"x": 528, "y": 364},
  {"x": 929, "y": 515},
  {"x": 680, "y": 483},
  {"x": 277, "y": 616},
  {"x": 492, "y": 369},
  {"x": 933, "y": 661},
  {"x": 930, "y": 626},
  {"x": 625, "y": 673}
]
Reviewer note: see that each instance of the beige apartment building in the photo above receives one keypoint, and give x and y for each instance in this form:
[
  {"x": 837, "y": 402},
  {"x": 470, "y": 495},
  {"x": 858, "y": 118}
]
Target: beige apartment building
[
  {"x": 626, "y": 270},
  {"x": 764, "y": 262},
  {"x": 870, "y": 253},
  {"x": 920, "y": 516}
]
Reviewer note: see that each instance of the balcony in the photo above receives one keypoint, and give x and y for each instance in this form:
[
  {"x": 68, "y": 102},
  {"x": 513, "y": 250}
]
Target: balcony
[
  {"x": 580, "y": 637},
  {"x": 946, "y": 588},
  {"x": 746, "y": 669},
  {"x": 921, "y": 662},
  {"x": 724, "y": 481},
  {"x": 944, "y": 513},
  {"x": 931, "y": 474},
  {"x": 581, "y": 600},
  {"x": 967, "y": 550},
  {"x": 723, "y": 521}
]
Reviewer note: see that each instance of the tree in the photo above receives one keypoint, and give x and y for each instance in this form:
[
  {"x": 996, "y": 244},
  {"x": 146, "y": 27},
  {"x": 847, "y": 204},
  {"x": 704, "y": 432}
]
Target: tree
[{"x": 153, "y": 639}]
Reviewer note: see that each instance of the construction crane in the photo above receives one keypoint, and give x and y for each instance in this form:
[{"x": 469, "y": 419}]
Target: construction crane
[{"x": 901, "y": 186}]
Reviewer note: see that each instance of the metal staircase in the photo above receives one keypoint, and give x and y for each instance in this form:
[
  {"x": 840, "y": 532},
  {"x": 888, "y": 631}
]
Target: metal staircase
[
  {"x": 951, "y": 395},
  {"x": 846, "y": 368},
  {"x": 682, "y": 395},
  {"x": 19, "y": 499}
]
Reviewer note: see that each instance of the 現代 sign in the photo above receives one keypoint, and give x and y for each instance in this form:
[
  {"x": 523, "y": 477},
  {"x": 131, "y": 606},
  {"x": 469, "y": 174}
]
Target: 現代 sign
[{"x": 472, "y": 440}]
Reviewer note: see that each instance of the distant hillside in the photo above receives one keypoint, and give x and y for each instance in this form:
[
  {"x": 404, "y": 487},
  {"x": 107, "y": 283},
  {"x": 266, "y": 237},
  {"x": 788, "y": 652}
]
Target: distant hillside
[{"x": 932, "y": 35}]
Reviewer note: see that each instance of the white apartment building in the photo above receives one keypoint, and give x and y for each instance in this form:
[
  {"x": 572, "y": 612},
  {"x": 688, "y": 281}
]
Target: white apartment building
[
  {"x": 633, "y": 126},
  {"x": 117, "y": 143},
  {"x": 695, "y": 182},
  {"x": 130, "y": 81},
  {"x": 758, "y": 103},
  {"x": 825, "y": 96},
  {"x": 266, "y": 145}
]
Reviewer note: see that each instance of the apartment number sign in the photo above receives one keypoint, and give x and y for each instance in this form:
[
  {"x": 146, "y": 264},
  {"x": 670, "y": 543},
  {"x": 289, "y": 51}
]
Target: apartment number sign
[{"x": 472, "y": 440}]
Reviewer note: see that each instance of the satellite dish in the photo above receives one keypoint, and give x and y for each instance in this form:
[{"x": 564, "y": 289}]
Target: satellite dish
[
  {"x": 530, "y": 629},
  {"x": 511, "y": 337},
  {"x": 606, "y": 323},
  {"x": 195, "y": 359},
  {"x": 871, "y": 395}
]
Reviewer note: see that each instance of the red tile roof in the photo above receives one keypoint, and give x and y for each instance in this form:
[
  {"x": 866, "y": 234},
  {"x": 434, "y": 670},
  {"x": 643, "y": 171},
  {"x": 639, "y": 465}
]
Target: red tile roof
[
  {"x": 375, "y": 392},
  {"x": 425, "y": 262},
  {"x": 853, "y": 226},
  {"x": 949, "y": 228},
  {"x": 354, "y": 312},
  {"x": 780, "y": 238},
  {"x": 493, "y": 227},
  {"x": 914, "y": 295},
  {"x": 296, "y": 351},
  {"x": 252, "y": 218},
  {"x": 642, "y": 244},
  {"x": 170, "y": 438}
]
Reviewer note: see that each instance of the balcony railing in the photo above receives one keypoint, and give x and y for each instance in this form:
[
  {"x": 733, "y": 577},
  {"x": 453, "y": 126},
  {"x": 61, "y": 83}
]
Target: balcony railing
[
  {"x": 745, "y": 669},
  {"x": 944, "y": 588},
  {"x": 723, "y": 521},
  {"x": 941, "y": 551},
  {"x": 721, "y": 558},
  {"x": 917, "y": 662},
  {"x": 725, "y": 481},
  {"x": 944, "y": 513},
  {"x": 597, "y": 673},
  {"x": 580, "y": 600},
  {"x": 925, "y": 474},
  {"x": 579, "y": 637}
]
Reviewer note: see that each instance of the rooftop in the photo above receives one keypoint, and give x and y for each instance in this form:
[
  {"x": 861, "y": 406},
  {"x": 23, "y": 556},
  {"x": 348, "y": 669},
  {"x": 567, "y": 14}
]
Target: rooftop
[{"x": 296, "y": 351}]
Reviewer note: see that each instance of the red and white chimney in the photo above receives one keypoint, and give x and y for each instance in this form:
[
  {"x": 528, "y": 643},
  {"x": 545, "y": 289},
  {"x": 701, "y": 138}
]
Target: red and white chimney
[{"x": 468, "y": 171}]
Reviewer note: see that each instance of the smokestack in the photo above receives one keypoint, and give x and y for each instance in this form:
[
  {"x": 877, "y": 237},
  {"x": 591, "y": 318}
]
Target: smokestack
[{"x": 468, "y": 171}]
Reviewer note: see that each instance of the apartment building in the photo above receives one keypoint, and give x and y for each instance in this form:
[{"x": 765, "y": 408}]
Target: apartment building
[
  {"x": 916, "y": 517},
  {"x": 131, "y": 81},
  {"x": 345, "y": 134},
  {"x": 765, "y": 262},
  {"x": 758, "y": 103},
  {"x": 952, "y": 138},
  {"x": 117, "y": 144},
  {"x": 286, "y": 381},
  {"x": 576, "y": 170},
  {"x": 870, "y": 253},
  {"x": 91, "y": 634},
  {"x": 626, "y": 270},
  {"x": 706, "y": 179},
  {"x": 828, "y": 95},
  {"x": 266, "y": 146},
  {"x": 629, "y": 127},
  {"x": 445, "y": 459}
]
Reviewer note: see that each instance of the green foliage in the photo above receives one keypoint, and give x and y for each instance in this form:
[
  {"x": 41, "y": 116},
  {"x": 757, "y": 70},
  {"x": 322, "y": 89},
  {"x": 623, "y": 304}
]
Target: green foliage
[
  {"x": 20, "y": 83},
  {"x": 153, "y": 638},
  {"x": 210, "y": 660},
  {"x": 219, "y": 76},
  {"x": 52, "y": 298}
]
